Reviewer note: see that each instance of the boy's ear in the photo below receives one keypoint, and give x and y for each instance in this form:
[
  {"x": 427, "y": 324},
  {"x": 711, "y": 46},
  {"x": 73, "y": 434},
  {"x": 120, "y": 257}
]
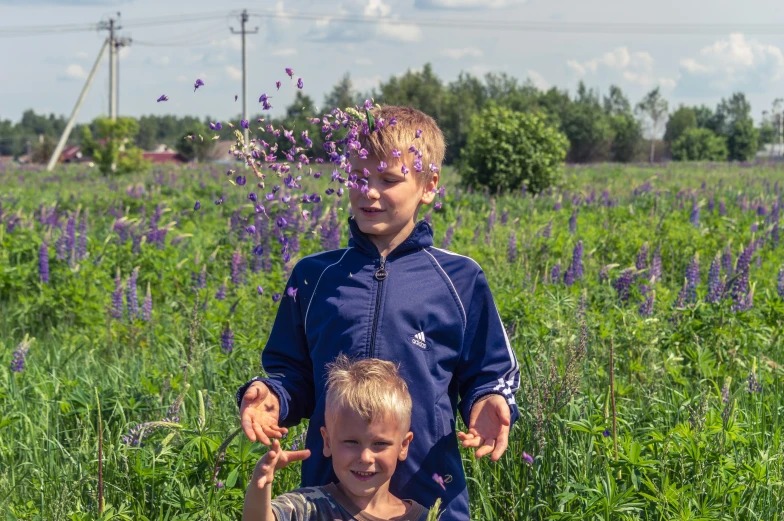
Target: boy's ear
[
  {"x": 404, "y": 446},
  {"x": 430, "y": 189},
  {"x": 327, "y": 451}
]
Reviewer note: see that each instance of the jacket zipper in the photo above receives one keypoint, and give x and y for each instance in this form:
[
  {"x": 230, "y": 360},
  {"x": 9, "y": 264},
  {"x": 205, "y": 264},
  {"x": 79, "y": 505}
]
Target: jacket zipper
[{"x": 380, "y": 275}]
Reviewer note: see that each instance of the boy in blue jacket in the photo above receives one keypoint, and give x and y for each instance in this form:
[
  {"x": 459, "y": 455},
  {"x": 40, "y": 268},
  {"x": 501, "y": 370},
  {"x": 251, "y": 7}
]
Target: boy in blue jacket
[{"x": 391, "y": 295}]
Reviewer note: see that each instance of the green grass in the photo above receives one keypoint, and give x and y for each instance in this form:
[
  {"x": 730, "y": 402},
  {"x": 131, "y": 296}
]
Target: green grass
[{"x": 682, "y": 452}]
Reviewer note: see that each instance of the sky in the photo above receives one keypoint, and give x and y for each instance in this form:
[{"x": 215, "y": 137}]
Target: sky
[{"x": 46, "y": 72}]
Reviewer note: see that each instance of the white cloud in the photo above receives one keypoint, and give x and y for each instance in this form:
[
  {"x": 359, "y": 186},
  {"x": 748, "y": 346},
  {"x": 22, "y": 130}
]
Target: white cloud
[
  {"x": 283, "y": 52},
  {"x": 465, "y": 4},
  {"x": 82, "y": 55},
  {"x": 620, "y": 63},
  {"x": 73, "y": 72},
  {"x": 457, "y": 54},
  {"x": 363, "y": 60},
  {"x": 389, "y": 27},
  {"x": 124, "y": 52},
  {"x": 734, "y": 63},
  {"x": 538, "y": 80},
  {"x": 160, "y": 61},
  {"x": 233, "y": 43},
  {"x": 233, "y": 72}
]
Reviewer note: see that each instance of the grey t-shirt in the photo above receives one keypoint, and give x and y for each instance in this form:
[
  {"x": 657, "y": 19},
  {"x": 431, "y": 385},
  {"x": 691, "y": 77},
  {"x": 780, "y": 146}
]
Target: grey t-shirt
[{"x": 328, "y": 503}]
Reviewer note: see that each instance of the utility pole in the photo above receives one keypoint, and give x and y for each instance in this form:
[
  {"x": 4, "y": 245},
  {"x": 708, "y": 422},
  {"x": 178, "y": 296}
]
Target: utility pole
[
  {"x": 118, "y": 44},
  {"x": 244, "y": 19},
  {"x": 112, "y": 25},
  {"x": 64, "y": 137}
]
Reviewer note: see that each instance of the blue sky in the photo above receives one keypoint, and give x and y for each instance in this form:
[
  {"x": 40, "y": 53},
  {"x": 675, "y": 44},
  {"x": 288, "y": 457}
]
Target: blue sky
[{"x": 46, "y": 72}]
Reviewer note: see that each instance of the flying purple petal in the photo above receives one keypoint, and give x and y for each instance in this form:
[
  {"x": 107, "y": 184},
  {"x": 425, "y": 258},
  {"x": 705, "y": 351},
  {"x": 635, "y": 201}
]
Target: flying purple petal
[{"x": 163, "y": 97}]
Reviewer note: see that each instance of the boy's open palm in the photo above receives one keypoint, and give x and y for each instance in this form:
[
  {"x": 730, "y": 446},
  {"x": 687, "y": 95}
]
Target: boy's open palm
[
  {"x": 275, "y": 459},
  {"x": 259, "y": 414},
  {"x": 488, "y": 427}
]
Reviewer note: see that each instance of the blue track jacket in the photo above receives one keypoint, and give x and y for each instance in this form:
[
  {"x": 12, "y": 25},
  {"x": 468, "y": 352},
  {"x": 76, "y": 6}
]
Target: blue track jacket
[{"x": 426, "y": 309}]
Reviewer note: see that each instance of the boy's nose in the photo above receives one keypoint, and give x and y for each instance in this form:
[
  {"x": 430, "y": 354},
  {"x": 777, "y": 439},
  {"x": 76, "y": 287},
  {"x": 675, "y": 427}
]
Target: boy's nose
[
  {"x": 366, "y": 456},
  {"x": 372, "y": 193}
]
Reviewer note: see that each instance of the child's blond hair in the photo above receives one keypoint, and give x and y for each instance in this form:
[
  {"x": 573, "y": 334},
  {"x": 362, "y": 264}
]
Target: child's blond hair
[
  {"x": 371, "y": 387},
  {"x": 402, "y": 135}
]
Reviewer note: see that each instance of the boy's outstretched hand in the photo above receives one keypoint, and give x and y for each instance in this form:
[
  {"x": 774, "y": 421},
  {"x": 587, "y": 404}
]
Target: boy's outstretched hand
[
  {"x": 488, "y": 427},
  {"x": 275, "y": 459},
  {"x": 259, "y": 414}
]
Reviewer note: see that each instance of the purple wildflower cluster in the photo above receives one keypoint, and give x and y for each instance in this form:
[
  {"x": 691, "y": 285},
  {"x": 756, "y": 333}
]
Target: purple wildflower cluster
[
  {"x": 19, "y": 357},
  {"x": 511, "y": 250},
  {"x": 147, "y": 305},
  {"x": 780, "y": 283},
  {"x": 227, "y": 339},
  {"x": 117, "y": 297},
  {"x": 715, "y": 287},
  {"x": 623, "y": 284},
  {"x": 131, "y": 296},
  {"x": 43, "y": 262}
]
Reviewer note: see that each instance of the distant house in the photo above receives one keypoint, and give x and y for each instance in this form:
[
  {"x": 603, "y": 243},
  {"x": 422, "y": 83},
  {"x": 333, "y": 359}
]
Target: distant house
[
  {"x": 71, "y": 154},
  {"x": 166, "y": 156}
]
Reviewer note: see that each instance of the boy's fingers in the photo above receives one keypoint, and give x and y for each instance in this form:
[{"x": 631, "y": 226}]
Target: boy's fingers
[
  {"x": 502, "y": 442},
  {"x": 485, "y": 449},
  {"x": 298, "y": 455},
  {"x": 260, "y": 435},
  {"x": 247, "y": 428}
]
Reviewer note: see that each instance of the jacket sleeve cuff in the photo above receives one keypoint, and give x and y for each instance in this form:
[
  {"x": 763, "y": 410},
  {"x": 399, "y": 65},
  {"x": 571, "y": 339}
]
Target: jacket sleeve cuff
[
  {"x": 468, "y": 402},
  {"x": 275, "y": 387}
]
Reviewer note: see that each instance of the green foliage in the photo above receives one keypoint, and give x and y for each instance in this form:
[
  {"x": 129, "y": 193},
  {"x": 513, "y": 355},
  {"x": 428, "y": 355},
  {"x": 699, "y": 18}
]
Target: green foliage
[
  {"x": 585, "y": 125},
  {"x": 680, "y": 121},
  {"x": 113, "y": 151},
  {"x": 627, "y": 137},
  {"x": 685, "y": 449},
  {"x": 699, "y": 144},
  {"x": 742, "y": 142},
  {"x": 506, "y": 149},
  {"x": 195, "y": 146}
]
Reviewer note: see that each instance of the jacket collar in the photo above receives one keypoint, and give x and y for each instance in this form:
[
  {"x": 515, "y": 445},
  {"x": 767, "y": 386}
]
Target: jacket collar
[{"x": 421, "y": 237}]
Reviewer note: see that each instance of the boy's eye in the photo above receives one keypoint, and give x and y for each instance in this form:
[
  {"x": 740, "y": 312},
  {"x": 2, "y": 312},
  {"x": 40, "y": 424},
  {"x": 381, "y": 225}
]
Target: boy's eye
[
  {"x": 383, "y": 443},
  {"x": 350, "y": 441},
  {"x": 390, "y": 180}
]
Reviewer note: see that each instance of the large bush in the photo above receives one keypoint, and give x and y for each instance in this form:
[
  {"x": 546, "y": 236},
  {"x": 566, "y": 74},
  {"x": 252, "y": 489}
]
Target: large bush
[
  {"x": 742, "y": 140},
  {"x": 699, "y": 144},
  {"x": 505, "y": 149},
  {"x": 113, "y": 151}
]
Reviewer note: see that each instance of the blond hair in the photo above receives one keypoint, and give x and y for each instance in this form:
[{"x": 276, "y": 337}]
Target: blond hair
[
  {"x": 402, "y": 135},
  {"x": 371, "y": 387}
]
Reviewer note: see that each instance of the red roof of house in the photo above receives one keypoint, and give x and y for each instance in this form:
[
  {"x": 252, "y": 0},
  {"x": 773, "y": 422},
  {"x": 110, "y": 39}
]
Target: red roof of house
[{"x": 69, "y": 153}]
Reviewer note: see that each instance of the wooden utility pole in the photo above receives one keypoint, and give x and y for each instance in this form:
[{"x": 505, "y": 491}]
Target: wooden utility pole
[{"x": 244, "y": 19}]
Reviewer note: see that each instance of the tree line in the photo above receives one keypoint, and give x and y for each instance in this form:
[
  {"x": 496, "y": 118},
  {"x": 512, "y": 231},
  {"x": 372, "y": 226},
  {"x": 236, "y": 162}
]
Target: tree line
[{"x": 599, "y": 127}]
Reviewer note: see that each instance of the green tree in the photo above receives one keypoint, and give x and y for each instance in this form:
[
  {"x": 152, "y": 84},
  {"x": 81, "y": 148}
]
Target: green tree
[
  {"x": 464, "y": 97},
  {"x": 742, "y": 140},
  {"x": 113, "y": 151},
  {"x": 681, "y": 120},
  {"x": 703, "y": 115},
  {"x": 587, "y": 127},
  {"x": 506, "y": 149},
  {"x": 422, "y": 90},
  {"x": 342, "y": 95},
  {"x": 653, "y": 107},
  {"x": 627, "y": 137},
  {"x": 699, "y": 144}
]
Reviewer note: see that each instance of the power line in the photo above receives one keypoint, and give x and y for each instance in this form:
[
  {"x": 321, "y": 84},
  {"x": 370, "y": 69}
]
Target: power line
[{"x": 666, "y": 28}]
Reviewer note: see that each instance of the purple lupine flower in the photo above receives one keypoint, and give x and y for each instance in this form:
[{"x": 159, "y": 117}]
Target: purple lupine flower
[
  {"x": 642, "y": 258},
  {"x": 692, "y": 279},
  {"x": 754, "y": 227},
  {"x": 774, "y": 235},
  {"x": 548, "y": 230},
  {"x": 573, "y": 222},
  {"x": 447, "y": 241},
  {"x": 604, "y": 274},
  {"x": 780, "y": 285},
  {"x": 646, "y": 307},
  {"x": 511, "y": 252},
  {"x": 568, "y": 278},
  {"x": 505, "y": 216},
  {"x": 163, "y": 97},
  {"x": 202, "y": 279},
  {"x": 722, "y": 208},
  {"x": 19, "y": 357},
  {"x": 740, "y": 290},
  {"x": 70, "y": 237},
  {"x": 528, "y": 458},
  {"x": 577, "y": 261},
  {"x": 196, "y": 206},
  {"x": 220, "y": 294},
  {"x": 276, "y": 297},
  {"x": 131, "y": 296},
  {"x": 237, "y": 276},
  {"x": 147, "y": 305},
  {"x": 227, "y": 339},
  {"x": 117, "y": 297},
  {"x": 438, "y": 479},
  {"x": 694, "y": 217},
  {"x": 558, "y": 205},
  {"x": 714, "y": 284},
  {"x": 43, "y": 262},
  {"x": 761, "y": 210},
  {"x": 555, "y": 273},
  {"x": 656, "y": 264},
  {"x": 197, "y": 84},
  {"x": 81, "y": 247},
  {"x": 726, "y": 260},
  {"x": 711, "y": 204},
  {"x": 623, "y": 283},
  {"x": 606, "y": 433},
  {"x": 752, "y": 385}
]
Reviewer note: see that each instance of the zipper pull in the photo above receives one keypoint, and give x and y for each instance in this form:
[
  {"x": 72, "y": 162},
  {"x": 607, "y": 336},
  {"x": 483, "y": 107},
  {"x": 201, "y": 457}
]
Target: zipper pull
[{"x": 381, "y": 272}]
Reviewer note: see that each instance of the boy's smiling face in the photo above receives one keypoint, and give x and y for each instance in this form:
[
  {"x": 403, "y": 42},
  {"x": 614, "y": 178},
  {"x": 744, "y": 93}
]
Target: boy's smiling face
[
  {"x": 364, "y": 455},
  {"x": 387, "y": 212}
]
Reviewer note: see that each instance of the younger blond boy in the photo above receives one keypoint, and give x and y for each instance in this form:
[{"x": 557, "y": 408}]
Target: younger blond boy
[{"x": 368, "y": 420}]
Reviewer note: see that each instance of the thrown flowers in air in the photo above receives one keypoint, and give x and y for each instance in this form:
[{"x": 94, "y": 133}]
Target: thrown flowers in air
[
  {"x": 198, "y": 84},
  {"x": 163, "y": 97}
]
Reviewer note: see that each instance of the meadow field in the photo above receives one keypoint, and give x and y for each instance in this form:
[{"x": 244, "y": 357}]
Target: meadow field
[{"x": 645, "y": 305}]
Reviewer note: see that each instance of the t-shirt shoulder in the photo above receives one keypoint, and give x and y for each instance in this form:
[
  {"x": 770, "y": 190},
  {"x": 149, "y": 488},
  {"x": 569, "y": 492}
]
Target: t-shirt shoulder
[{"x": 327, "y": 503}]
